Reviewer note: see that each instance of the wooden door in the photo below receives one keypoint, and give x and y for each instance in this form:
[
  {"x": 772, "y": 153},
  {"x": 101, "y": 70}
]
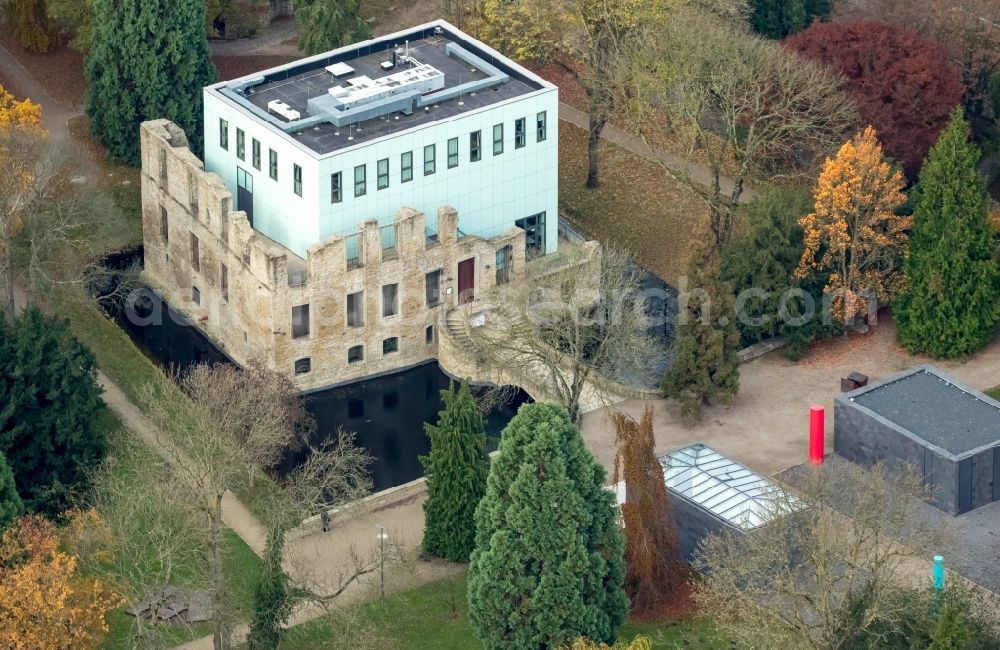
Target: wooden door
[{"x": 466, "y": 280}]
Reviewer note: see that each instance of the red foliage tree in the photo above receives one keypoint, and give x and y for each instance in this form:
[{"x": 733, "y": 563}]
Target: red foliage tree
[
  {"x": 903, "y": 85},
  {"x": 652, "y": 570}
]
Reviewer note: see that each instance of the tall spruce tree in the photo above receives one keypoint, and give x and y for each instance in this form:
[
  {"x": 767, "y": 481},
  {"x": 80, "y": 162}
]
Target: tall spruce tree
[
  {"x": 548, "y": 565},
  {"x": 779, "y": 18},
  {"x": 328, "y": 24},
  {"x": 29, "y": 23},
  {"x": 11, "y": 506},
  {"x": 952, "y": 305},
  {"x": 706, "y": 362},
  {"x": 149, "y": 60},
  {"x": 456, "y": 471},
  {"x": 49, "y": 399}
]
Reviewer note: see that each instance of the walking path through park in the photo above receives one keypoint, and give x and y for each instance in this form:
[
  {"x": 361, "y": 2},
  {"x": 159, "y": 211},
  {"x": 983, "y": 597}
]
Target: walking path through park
[{"x": 23, "y": 85}]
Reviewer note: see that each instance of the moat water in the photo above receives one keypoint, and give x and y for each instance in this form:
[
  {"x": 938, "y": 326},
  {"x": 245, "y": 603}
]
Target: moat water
[{"x": 386, "y": 413}]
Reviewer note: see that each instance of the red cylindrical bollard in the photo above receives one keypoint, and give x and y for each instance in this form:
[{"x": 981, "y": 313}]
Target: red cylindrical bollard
[{"x": 816, "y": 423}]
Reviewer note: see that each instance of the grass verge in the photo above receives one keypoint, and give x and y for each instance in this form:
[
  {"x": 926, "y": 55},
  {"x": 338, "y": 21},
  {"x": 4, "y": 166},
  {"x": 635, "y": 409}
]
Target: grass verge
[
  {"x": 994, "y": 393},
  {"x": 435, "y": 616},
  {"x": 637, "y": 205}
]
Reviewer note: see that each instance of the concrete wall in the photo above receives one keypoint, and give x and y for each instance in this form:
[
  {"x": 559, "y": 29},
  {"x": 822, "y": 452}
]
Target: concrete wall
[
  {"x": 255, "y": 322},
  {"x": 490, "y": 194},
  {"x": 693, "y": 524}
]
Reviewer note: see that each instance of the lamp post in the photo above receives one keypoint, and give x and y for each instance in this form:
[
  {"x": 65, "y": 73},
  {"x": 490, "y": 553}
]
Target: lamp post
[{"x": 381, "y": 559}]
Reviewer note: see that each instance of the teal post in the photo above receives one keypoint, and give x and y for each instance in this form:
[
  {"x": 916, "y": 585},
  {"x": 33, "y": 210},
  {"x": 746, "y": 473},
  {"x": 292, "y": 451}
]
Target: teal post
[{"x": 938, "y": 573}]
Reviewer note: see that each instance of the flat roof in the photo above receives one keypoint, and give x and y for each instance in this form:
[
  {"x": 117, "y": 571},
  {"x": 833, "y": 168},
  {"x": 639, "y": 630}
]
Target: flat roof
[
  {"x": 725, "y": 488},
  {"x": 474, "y": 77},
  {"x": 934, "y": 408}
]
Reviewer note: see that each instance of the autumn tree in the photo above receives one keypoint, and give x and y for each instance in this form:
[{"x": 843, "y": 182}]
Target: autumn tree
[
  {"x": 149, "y": 60},
  {"x": 595, "y": 41},
  {"x": 11, "y": 506},
  {"x": 903, "y": 85},
  {"x": 44, "y": 604},
  {"x": 455, "y": 470},
  {"x": 952, "y": 303},
  {"x": 706, "y": 362},
  {"x": 573, "y": 333},
  {"x": 752, "y": 109},
  {"x": 325, "y": 25},
  {"x": 30, "y": 24},
  {"x": 548, "y": 564},
  {"x": 853, "y": 232},
  {"x": 652, "y": 569}
]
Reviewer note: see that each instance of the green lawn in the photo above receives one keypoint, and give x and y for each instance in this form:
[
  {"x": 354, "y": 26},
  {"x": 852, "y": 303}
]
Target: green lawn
[
  {"x": 994, "y": 392},
  {"x": 435, "y": 617}
]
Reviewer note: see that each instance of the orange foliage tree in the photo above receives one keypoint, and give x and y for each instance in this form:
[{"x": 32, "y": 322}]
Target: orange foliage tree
[
  {"x": 18, "y": 113},
  {"x": 853, "y": 235},
  {"x": 652, "y": 571},
  {"x": 43, "y": 604}
]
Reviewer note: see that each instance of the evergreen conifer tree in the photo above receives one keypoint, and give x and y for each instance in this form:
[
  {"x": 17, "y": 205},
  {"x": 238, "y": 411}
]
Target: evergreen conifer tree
[
  {"x": 271, "y": 605},
  {"x": 548, "y": 565},
  {"x": 456, "y": 471},
  {"x": 706, "y": 362},
  {"x": 30, "y": 24},
  {"x": 49, "y": 399},
  {"x": 952, "y": 304},
  {"x": 779, "y": 18},
  {"x": 10, "y": 503},
  {"x": 328, "y": 24},
  {"x": 149, "y": 60}
]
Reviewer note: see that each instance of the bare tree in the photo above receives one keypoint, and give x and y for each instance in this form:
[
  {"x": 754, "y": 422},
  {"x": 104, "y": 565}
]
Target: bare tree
[
  {"x": 581, "y": 330},
  {"x": 815, "y": 575},
  {"x": 753, "y": 109}
]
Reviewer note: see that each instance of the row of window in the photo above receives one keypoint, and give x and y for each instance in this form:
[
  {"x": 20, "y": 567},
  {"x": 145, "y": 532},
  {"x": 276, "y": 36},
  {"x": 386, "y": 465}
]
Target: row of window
[
  {"x": 382, "y": 166},
  {"x": 356, "y": 353}
]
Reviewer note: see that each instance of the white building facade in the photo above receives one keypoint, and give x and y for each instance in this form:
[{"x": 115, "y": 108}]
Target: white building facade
[{"x": 306, "y": 165}]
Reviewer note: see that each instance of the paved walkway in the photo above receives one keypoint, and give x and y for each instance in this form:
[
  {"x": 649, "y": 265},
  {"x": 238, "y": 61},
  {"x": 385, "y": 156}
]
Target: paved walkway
[
  {"x": 697, "y": 173},
  {"x": 55, "y": 115}
]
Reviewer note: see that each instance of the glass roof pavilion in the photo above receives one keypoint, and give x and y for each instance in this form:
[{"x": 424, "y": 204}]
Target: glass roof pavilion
[{"x": 728, "y": 490}]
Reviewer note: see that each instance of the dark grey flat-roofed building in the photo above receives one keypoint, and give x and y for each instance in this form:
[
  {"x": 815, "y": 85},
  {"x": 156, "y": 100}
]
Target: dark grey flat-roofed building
[{"x": 924, "y": 418}]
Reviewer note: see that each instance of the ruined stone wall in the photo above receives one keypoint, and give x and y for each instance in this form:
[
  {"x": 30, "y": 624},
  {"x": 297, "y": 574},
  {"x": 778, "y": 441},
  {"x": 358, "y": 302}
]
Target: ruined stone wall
[{"x": 253, "y": 319}]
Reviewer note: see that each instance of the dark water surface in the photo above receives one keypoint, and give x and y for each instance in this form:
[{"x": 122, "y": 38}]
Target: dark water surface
[{"x": 386, "y": 413}]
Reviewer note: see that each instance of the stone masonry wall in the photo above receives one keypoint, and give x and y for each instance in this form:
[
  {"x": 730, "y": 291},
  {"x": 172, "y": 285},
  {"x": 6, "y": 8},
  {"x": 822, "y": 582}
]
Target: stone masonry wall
[{"x": 252, "y": 320}]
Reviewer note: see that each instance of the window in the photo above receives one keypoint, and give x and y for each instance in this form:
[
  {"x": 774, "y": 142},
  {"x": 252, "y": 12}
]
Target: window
[
  {"x": 300, "y": 321},
  {"x": 429, "y": 334},
  {"x": 336, "y": 188},
  {"x": 224, "y": 281},
  {"x": 387, "y": 238},
  {"x": 540, "y": 127},
  {"x": 430, "y": 151},
  {"x": 390, "y": 345},
  {"x": 534, "y": 233},
  {"x": 390, "y": 300},
  {"x": 497, "y": 139},
  {"x": 432, "y": 284},
  {"x": 360, "y": 172},
  {"x": 195, "y": 295},
  {"x": 406, "y": 167},
  {"x": 475, "y": 146},
  {"x": 356, "y": 309},
  {"x": 520, "y": 137},
  {"x": 241, "y": 145},
  {"x": 352, "y": 244},
  {"x": 272, "y": 161},
  {"x": 255, "y": 153},
  {"x": 224, "y": 134},
  {"x": 452, "y": 153},
  {"x": 355, "y": 354},
  {"x": 195, "y": 253},
  {"x": 164, "y": 225},
  {"x": 383, "y": 174},
  {"x": 303, "y": 366},
  {"x": 504, "y": 264},
  {"x": 297, "y": 180},
  {"x": 193, "y": 192},
  {"x": 161, "y": 156}
]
